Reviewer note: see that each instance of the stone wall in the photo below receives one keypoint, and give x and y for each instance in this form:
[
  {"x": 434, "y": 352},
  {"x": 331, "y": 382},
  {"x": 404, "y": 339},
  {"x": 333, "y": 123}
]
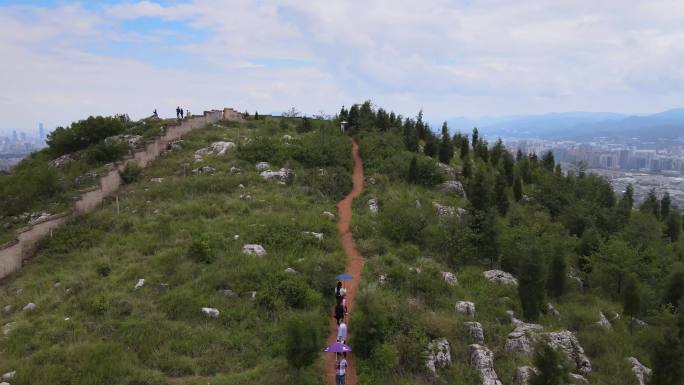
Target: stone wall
[{"x": 12, "y": 254}]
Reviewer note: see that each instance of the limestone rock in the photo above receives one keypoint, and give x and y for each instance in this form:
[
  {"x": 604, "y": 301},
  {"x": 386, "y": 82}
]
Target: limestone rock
[
  {"x": 638, "y": 323},
  {"x": 216, "y": 148},
  {"x": 501, "y": 277},
  {"x": 141, "y": 283},
  {"x": 131, "y": 140},
  {"x": 257, "y": 250},
  {"x": 524, "y": 374},
  {"x": 7, "y": 309},
  {"x": 578, "y": 379},
  {"x": 330, "y": 215},
  {"x": 235, "y": 170},
  {"x": 450, "y": 278},
  {"x": 465, "y": 307},
  {"x": 444, "y": 211},
  {"x": 316, "y": 235},
  {"x": 453, "y": 187},
  {"x": 373, "y": 206},
  {"x": 210, "y": 312},
  {"x": 262, "y": 166},
  {"x": 438, "y": 355},
  {"x": 287, "y": 138},
  {"x": 482, "y": 360},
  {"x": 4, "y": 383},
  {"x": 61, "y": 161},
  {"x": 523, "y": 338},
  {"x": 38, "y": 217},
  {"x": 30, "y": 307},
  {"x": 228, "y": 293},
  {"x": 9, "y": 375},
  {"x": 642, "y": 373},
  {"x": 447, "y": 170},
  {"x": 475, "y": 331},
  {"x": 157, "y": 180},
  {"x": 290, "y": 270},
  {"x": 204, "y": 170},
  {"x": 281, "y": 175},
  {"x": 8, "y": 327},
  {"x": 552, "y": 310},
  {"x": 603, "y": 322},
  {"x": 382, "y": 279},
  {"x": 579, "y": 283},
  {"x": 245, "y": 197},
  {"x": 567, "y": 342}
]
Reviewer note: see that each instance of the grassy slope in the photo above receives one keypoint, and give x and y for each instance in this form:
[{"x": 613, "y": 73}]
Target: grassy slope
[
  {"x": 157, "y": 334},
  {"x": 408, "y": 327}
]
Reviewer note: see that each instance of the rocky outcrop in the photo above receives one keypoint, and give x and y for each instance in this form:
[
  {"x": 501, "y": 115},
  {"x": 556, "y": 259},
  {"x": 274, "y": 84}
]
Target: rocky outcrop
[
  {"x": 131, "y": 140},
  {"x": 523, "y": 338},
  {"x": 8, "y": 328},
  {"x": 257, "y": 250},
  {"x": 444, "y": 211},
  {"x": 579, "y": 283},
  {"x": 567, "y": 342},
  {"x": 642, "y": 373},
  {"x": 330, "y": 215},
  {"x": 482, "y": 360},
  {"x": 524, "y": 374},
  {"x": 210, "y": 312},
  {"x": 262, "y": 166},
  {"x": 603, "y": 322},
  {"x": 281, "y": 175},
  {"x": 373, "y": 206},
  {"x": 453, "y": 187},
  {"x": 438, "y": 355},
  {"x": 30, "y": 307},
  {"x": 447, "y": 170},
  {"x": 216, "y": 148},
  {"x": 141, "y": 283},
  {"x": 38, "y": 217},
  {"x": 578, "y": 379},
  {"x": 314, "y": 234},
  {"x": 450, "y": 278},
  {"x": 204, "y": 170},
  {"x": 552, "y": 310},
  {"x": 290, "y": 270},
  {"x": 475, "y": 332},
  {"x": 465, "y": 307},
  {"x": 500, "y": 276},
  {"x": 61, "y": 161}
]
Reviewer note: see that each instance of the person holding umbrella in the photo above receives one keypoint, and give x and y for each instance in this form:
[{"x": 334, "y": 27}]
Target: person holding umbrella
[{"x": 341, "y": 369}]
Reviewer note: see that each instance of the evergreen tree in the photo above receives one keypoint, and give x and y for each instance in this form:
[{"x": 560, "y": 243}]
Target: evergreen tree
[
  {"x": 552, "y": 365},
  {"x": 673, "y": 226},
  {"x": 651, "y": 204},
  {"x": 480, "y": 194},
  {"x": 500, "y": 194},
  {"x": 558, "y": 171},
  {"x": 353, "y": 121},
  {"x": 467, "y": 170},
  {"x": 475, "y": 138},
  {"x": 557, "y": 276},
  {"x": 431, "y": 146},
  {"x": 410, "y": 136},
  {"x": 464, "y": 147},
  {"x": 517, "y": 189},
  {"x": 344, "y": 114},
  {"x": 531, "y": 282},
  {"x": 668, "y": 356},
  {"x": 631, "y": 301},
  {"x": 525, "y": 170},
  {"x": 548, "y": 162},
  {"x": 481, "y": 150},
  {"x": 624, "y": 207},
  {"x": 497, "y": 152},
  {"x": 382, "y": 120},
  {"x": 446, "y": 149},
  {"x": 485, "y": 235},
  {"x": 413, "y": 171},
  {"x": 674, "y": 290},
  {"x": 509, "y": 167},
  {"x": 628, "y": 196},
  {"x": 421, "y": 129},
  {"x": 665, "y": 205},
  {"x": 519, "y": 155}
]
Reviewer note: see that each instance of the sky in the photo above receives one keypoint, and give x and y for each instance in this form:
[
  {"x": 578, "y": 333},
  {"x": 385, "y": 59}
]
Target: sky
[{"x": 64, "y": 60}]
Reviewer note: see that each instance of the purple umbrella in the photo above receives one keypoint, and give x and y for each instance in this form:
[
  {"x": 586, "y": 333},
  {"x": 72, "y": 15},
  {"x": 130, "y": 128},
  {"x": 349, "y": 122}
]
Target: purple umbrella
[{"x": 337, "y": 347}]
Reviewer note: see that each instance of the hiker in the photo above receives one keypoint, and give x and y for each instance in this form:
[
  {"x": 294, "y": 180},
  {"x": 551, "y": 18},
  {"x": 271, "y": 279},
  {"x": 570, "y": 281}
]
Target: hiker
[
  {"x": 341, "y": 369},
  {"x": 339, "y": 292},
  {"x": 342, "y": 333},
  {"x": 339, "y": 313},
  {"x": 187, "y": 113},
  {"x": 181, "y": 113},
  {"x": 177, "y": 112},
  {"x": 154, "y": 113}
]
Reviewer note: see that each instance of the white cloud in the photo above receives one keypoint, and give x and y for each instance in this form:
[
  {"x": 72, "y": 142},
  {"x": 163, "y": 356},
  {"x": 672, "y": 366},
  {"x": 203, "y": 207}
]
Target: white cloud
[{"x": 448, "y": 57}]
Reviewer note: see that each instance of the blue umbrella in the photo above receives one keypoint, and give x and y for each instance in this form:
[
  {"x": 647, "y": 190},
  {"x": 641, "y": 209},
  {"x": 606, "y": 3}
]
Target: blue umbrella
[
  {"x": 337, "y": 347},
  {"x": 344, "y": 277}
]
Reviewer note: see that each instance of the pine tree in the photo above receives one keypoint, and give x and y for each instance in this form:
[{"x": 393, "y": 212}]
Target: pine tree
[
  {"x": 480, "y": 191},
  {"x": 413, "y": 171},
  {"x": 548, "y": 162},
  {"x": 464, "y": 147},
  {"x": 668, "y": 356},
  {"x": 509, "y": 167},
  {"x": 476, "y": 138},
  {"x": 446, "y": 149},
  {"x": 519, "y": 155},
  {"x": 665, "y": 205},
  {"x": 485, "y": 235},
  {"x": 531, "y": 283},
  {"x": 431, "y": 146},
  {"x": 552, "y": 365},
  {"x": 651, "y": 204},
  {"x": 557, "y": 276},
  {"x": 344, "y": 114},
  {"x": 673, "y": 226},
  {"x": 517, "y": 189},
  {"x": 467, "y": 170},
  {"x": 500, "y": 194},
  {"x": 674, "y": 290},
  {"x": 410, "y": 136}
]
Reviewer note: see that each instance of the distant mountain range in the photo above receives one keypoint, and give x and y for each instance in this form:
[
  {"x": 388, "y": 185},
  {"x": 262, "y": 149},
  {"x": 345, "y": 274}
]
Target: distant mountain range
[{"x": 580, "y": 126}]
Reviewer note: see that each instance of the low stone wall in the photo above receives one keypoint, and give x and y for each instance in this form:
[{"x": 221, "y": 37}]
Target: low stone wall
[{"x": 12, "y": 254}]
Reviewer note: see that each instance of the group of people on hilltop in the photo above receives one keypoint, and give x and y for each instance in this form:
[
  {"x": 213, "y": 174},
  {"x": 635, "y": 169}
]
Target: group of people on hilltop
[
  {"x": 179, "y": 113},
  {"x": 339, "y": 314}
]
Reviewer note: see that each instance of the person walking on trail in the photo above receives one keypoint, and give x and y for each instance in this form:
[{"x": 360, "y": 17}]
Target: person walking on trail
[
  {"x": 339, "y": 313},
  {"x": 342, "y": 333},
  {"x": 181, "y": 113},
  {"x": 187, "y": 113},
  {"x": 339, "y": 292},
  {"x": 178, "y": 112},
  {"x": 341, "y": 369},
  {"x": 154, "y": 113}
]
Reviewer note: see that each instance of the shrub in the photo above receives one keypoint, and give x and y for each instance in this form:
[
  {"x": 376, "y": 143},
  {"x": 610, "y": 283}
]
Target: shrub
[
  {"x": 303, "y": 340},
  {"x": 386, "y": 358},
  {"x": 83, "y": 133},
  {"x": 104, "y": 152},
  {"x": 200, "y": 251},
  {"x": 130, "y": 173}
]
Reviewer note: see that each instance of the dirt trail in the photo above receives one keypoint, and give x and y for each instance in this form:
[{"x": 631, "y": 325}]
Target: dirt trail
[{"x": 354, "y": 267}]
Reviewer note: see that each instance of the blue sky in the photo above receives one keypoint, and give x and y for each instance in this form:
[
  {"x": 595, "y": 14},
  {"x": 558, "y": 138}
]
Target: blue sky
[{"x": 64, "y": 60}]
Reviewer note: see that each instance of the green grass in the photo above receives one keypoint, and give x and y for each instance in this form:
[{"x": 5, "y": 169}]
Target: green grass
[{"x": 93, "y": 327}]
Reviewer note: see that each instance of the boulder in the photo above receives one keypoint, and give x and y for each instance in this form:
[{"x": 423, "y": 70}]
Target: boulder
[
  {"x": 475, "y": 332},
  {"x": 453, "y": 187},
  {"x": 290, "y": 270},
  {"x": 38, "y": 217},
  {"x": 578, "y": 379},
  {"x": 262, "y": 166},
  {"x": 281, "y": 175},
  {"x": 141, "y": 283},
  {"x": 438, "y": 355},
  {"x": 330, "y": 215},
  {"x": 642, "y": 373},
  {"x": 579, "y": 283},
  {"x": 552, "y": 310},
  {"x": 156, "y": 180},
  {"x": 382, "y": 279},
  {"x": 216, "y": 148},
  {"x": 235, "y": 170},
  {"x": 287, "y": 138},
  {"x": 373, "y": 206},
  {"x": 204, "y": 170},
  {"x": 500, "y": 276},
  {"x": 4, "y": 383},
  {"x": 175, "y": 145},
  {"x": 524, "y": 374},
  {"x": 227, "y": 292},
  {"x": 131, "y": 140},
  {"x": 245, "y": 197},
  {"x": 638, "y": 323},
  {"x": 444, "y": 211},
  {"x": 603, "y": 322},
  {"x": 316, "y": 235},
  {"x": 7, "y": 309},
  {"x": 61, "y": 161},
  {"x": 482, "y": 360},
  {"x": 523, "y": 338},
  {"x": 30, "y": 307},
  {"x": 567, "y": 342},
  {"x": 465, "y": 307},
  {"x": 9, "y": 375},
  {"x": 8, "y": 327},
  {"x": 210, "y": 312},
  {"x": 257, "y": 250},
  {"x": 447, "y": 170},
  {"x": 450, "y": 278}
]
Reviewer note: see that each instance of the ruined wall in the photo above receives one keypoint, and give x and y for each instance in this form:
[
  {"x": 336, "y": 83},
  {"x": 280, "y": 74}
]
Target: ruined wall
[{"x": 13, "y": 253}]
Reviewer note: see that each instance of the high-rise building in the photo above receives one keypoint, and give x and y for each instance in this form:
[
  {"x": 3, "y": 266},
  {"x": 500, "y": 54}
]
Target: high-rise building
[{"x": 41, "y": 131}]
